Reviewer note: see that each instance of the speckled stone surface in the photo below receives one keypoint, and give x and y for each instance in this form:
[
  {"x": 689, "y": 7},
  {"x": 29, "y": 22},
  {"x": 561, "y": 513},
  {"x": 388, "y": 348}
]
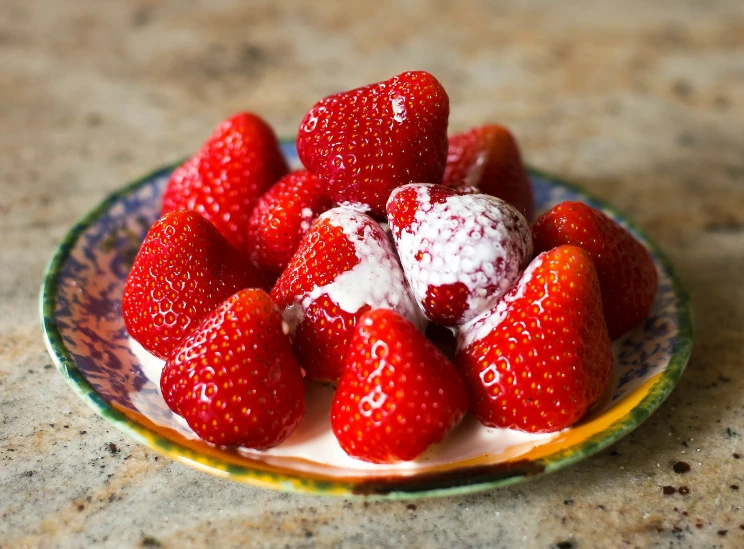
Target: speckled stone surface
[{"x": 640, "y": 102}]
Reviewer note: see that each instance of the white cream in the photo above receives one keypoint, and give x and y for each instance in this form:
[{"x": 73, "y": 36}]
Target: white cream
[
  {"x": 307, "y": 219},
  {"x": 398, "y": 104},
  {"x": 356, "y": 206},
  {"x": 482, "y": 325}
]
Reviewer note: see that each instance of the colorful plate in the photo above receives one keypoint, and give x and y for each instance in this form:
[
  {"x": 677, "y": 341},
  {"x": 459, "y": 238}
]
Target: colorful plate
[{"x": 85, "y": 335}]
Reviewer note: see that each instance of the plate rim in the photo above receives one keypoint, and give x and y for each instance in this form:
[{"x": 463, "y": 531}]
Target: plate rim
[{"x": 658, "y": 392}]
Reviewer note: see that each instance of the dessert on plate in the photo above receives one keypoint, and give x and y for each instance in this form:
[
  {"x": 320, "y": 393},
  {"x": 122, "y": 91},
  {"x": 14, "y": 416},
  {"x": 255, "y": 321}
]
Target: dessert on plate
[{"x": 257, "y": 281}]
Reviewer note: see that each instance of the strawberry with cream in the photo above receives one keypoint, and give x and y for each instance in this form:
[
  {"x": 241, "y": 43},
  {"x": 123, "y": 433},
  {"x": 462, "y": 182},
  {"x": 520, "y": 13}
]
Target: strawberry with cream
[
  {"x": 344, "y": 267},
  {"x": 461, "y": 252},
  {"x": 532, "y": 351}
]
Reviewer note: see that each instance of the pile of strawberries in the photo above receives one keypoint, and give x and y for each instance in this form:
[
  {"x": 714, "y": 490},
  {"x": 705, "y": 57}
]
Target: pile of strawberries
[{"x": 392, "y": 232}]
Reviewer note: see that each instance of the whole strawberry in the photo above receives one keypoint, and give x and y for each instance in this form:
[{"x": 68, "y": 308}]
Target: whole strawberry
[
  {"x": 365, "y": 142},
  {"x": 626, "y": 271},
  {"x": 223, "y": 181},
  {"x": 460, "y": 252},
  {"x": 398, "y": 394},
  {"x": 183, "y": 270},
  {"x": 234, "y": 378},
  {"x": 281, "y": 218},
  {"x": 487, "y": 158},
  {"x": 343, "y": 267},
  {"x": 541, "y": 357}
]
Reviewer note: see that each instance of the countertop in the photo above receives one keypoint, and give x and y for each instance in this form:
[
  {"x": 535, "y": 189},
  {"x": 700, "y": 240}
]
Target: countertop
[{"x": 642, "y": 103}]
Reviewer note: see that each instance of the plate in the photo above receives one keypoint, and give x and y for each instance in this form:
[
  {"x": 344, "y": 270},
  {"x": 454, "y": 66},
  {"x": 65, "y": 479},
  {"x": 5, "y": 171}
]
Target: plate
[{"x": 86, "y": 337}]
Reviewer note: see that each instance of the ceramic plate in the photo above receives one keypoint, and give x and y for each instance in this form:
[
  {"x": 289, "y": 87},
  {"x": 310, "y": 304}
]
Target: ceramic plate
[{"x": 85, "y": 334}]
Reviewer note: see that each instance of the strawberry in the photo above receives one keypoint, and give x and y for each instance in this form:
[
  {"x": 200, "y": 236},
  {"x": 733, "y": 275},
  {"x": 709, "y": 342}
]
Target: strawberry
[
  {"x": 343, "y": 267},
  {"x": 183, "y": 270},
  {"x": 226, "y": 177},
  {"x": 625, "y": 268},
  {"x": 541, "y": 357},
  {"x": 398, "y": 394},
  {"x": 488, "y": 159},
  {"x": 365, "y": 142},
  {"x": 234, "y": 378},
  {"x": 281, "y": 218},
  {"x": 460, "y": 252}
]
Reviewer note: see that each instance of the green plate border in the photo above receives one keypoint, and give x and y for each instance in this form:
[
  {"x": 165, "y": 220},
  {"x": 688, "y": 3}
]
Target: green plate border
[{"x": 476, "y": 481}]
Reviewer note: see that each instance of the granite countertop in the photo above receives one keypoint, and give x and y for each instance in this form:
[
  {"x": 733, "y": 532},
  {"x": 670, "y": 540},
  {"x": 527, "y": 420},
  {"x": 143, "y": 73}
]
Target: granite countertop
[{"x": 640, "y": 102}]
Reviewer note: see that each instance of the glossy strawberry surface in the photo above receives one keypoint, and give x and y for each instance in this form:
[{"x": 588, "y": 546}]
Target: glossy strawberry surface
[
  {"x": 224, "y": 180},
  {"x": 343, "y": 267},
  {"x": 398, "y": 394},
  {"x": 183, "y": 270},
  {"x": 541, "y": 357},
  {"x": 282, "y": 216},
  {"x": 234, "y": 379},
  {"x": 626, "y": 271},
  {"x": 487, "y": 158},
  {"x": 365, "y": 142},
  {"x": 460, "y": 252}
]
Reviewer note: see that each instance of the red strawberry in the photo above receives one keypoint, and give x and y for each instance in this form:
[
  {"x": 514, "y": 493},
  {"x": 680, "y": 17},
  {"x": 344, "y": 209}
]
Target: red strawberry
[
  {"x": 488, "y": 159},
  {"x": 625, "y": 268},
  {"x": 365, "y": 142},
  {"x": 281, "y": 218},
  {"x": 226, "y": 177},
  {"x": 184, "y": 269},
  {"x": 398, "y": 394},
  {"x": 343, "y": 267},
  {"x": 234, "y": 379},
  {"x": 460, "y": 252},
  {"x": 539, "y": 359}
]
